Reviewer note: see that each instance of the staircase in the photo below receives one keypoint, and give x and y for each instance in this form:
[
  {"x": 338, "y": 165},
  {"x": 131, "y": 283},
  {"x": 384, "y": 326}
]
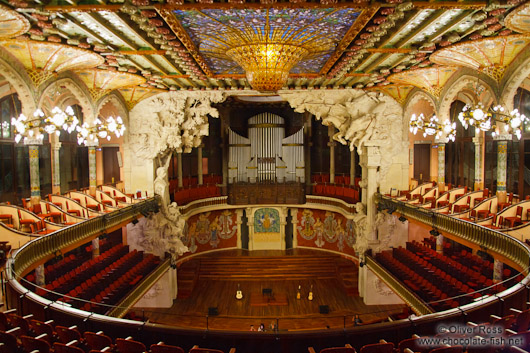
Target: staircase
[
  {"x": 295, "y": 267},
  {"x": 186, "y": 278}
]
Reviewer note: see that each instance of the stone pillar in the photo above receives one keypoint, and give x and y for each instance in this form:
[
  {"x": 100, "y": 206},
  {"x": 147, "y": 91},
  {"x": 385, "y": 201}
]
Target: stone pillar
[
  {"x": 250, "y": 222},
  {"x": 34, "y": 175},
  {"x": 441, "y": 164},
  {"x": 179, "y": 169},
  {"x": 440, "y": 244},
  {"x": 225, "y": 152},
  {"x": 283, "y": 223},
  {"x": 373, "y": 161},
  {"x": 352, "y": 167},
  {"x": 56, "y": 183},
  {"x": 479, "y": 185},
  {"x": 497, "y": 271},
  {"x": 92, "y": 170},
  {"x": 502, "y": 160},
  {"x": 364, "y": 176},
  {"x": 307, "y": 149},
  {"x": 95, "y": 248},
  {"x": 40, "y": 279},
  {"x": 331, "y": 144},
  {"x": 239, "y": 213},
  {"x": 294, "y": 220},
  {"x": 199, "y": 164}
]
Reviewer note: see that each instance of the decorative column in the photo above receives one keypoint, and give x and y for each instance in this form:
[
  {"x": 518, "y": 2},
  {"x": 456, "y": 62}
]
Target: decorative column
[
  {"x": 179, "y": 169},
  {"x": 95, "y": 248},
  {"x": 307, "y": 149},
  {"x": 502, "y": 159},
  {"x": 34, "y": 175},
  {"x": 497, "y": 271},
  {"x": 56, "y": 183},
  {"x": 199, "y": 164},
  {"x": 479, "y": 185},
  {"x": 373, "y": 161},
  {"x": 92, "y": 169},
  {"x": 363, "y": 182},
  {"x": 331, "y": 144},
  {"x": 294, "y": 220},
  {"x": 239, "y": 213},
  {"x": 352, "y": 167},
  {"x": 250, "y": 222},
  {"x": 440, "y": 244},
  {"x": 283, "y": 223},
  {"x": 441, "y": 164}
]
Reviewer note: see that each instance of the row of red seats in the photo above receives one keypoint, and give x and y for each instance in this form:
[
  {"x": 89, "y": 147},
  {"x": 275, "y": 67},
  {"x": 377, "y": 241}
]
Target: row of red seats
[
  {"x": 87, "y": 289},
  {"x": 449, "y": 285},
  {"x": 424, "y": 288},
  {"x": 472, "y": 276},
  {"x": 77, "y": 276},
  {"x": 24, "y": 334},
  {"x": 121, "y": 285},
  {"x": 184, "y": 196},
  {"x": 346, "y": 193},
  {"x": 339, "y": 179}
]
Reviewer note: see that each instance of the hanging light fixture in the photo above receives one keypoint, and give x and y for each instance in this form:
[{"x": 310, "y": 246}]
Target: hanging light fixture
[
  {"x": 34, "y": 128},
  {"x": 87, "y": 134},
  {"x": 489, "y": 119},
  {"x": 432, "y": 126}
]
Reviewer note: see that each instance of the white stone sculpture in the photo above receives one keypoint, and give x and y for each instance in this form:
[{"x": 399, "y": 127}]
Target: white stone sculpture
[
  {"x": 359, "y": 116},
  {"x": 160, "y": 233},
  {"x": 171, "y": 121},
  {"x": 161, "y": 183}
]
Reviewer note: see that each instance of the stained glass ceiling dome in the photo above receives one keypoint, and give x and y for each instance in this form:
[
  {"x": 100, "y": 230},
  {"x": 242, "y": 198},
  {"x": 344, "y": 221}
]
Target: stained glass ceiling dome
[{"x": 267, "y": 43}]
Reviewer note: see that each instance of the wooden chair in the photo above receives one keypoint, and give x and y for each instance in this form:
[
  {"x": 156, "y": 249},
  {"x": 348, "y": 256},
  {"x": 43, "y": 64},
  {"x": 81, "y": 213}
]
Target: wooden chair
[
  {"x": 38, "y": 343},
  {"x": 97, "y": 341},
  {"x": 196, "y": 349},
  {"x": 128, "y": 345},
  {"x": 511, "y": 222},
  {"x": 346, "y": 349},
  {"x": 160, "y": 347}
]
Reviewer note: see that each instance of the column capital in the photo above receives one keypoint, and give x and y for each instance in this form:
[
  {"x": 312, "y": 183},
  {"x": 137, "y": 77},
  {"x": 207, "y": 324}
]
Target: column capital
[
  {"x": 57, "y": 146},
  {"x": 503, "y": 136},
  {"x": 441, "y": 140},
  {"x": 477, "y": 140},
  {"x": 372, "y": 155}
]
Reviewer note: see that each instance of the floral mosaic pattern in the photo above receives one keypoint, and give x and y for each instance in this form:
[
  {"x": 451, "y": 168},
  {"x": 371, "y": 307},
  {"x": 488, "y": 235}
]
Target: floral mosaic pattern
[
  {"x": 210, "y": 230},
  {"x": 267, "y": 220},
  {"x": 214, "y": 31},
  {"x": 326, "y": 229}
]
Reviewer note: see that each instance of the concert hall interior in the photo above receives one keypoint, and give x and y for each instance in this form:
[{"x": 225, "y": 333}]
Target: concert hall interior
[{"x": 264, "y": 176}]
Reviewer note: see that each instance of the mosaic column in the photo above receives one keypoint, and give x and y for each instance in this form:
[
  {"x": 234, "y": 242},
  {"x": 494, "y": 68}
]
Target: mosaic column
[
  {"x": 497, "y": 271},
  {"x": 92, "y": 170},
  {"x": 294, "y": 221},
  {"x": 502, "y": 159},
  {"x": 199, "y": 164},
  {"x": 440, "y": 244},
  {"x": 34, "y": 176},
  {"x": 331, "y": 144},
  {"x": 95, "y": 248},
  {"x": 40, "y": 279},
  {"x": 352, "y": 167},
  {"x": 363, "y": 178},
  {"x": 179, "y": 169},
  {"x": 478, "y": 162},
  {"x": 56, "y": 183},
  {"x": 307, "y": 149},
  {"x": 441, "y": 163}
]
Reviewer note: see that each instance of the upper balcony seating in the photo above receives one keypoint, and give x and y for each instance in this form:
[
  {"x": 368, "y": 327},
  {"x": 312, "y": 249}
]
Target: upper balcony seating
[{"x": 184, "y": 196}]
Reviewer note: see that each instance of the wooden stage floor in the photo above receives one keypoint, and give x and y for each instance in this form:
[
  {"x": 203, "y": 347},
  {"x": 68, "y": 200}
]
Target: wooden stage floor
[{"x": 217, "y": 277}]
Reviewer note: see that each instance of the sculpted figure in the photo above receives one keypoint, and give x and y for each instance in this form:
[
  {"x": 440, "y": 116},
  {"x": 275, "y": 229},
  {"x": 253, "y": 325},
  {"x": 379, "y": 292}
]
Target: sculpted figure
[{"x": 161, "y": 184}]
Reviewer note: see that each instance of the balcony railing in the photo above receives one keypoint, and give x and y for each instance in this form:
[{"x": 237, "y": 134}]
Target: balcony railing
[
  {"x": 485, "y": 238},
  {"x": 43, "y": 247},
  {"x": 408, "y": 297}
]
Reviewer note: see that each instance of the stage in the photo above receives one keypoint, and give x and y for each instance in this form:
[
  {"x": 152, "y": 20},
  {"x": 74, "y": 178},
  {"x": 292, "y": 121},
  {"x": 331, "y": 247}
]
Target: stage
[{"x": 211, "y": 281}]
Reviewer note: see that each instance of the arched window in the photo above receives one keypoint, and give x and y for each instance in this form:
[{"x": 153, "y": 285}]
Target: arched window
[
  {"x": 73, "y": 159},
  {"x": 460, "y": 154}
]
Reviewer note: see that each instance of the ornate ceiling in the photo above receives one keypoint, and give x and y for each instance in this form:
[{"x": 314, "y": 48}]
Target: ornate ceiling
[{"x": 183, "y": 44}]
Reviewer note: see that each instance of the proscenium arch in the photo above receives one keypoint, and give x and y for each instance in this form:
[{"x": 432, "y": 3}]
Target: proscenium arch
[
  {"x": 77, "y": 92},
  {"x": 15, "y": 74}
]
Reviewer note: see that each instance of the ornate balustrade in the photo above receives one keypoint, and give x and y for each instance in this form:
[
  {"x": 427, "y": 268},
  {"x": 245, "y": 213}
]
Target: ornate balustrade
[
  {"x": 45, "y": 247},
  {"x": 485, "y": 238}
]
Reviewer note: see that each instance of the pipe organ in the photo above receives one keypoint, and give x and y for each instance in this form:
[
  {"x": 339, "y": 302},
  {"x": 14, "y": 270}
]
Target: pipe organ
[{"x": 266, "y": 156}]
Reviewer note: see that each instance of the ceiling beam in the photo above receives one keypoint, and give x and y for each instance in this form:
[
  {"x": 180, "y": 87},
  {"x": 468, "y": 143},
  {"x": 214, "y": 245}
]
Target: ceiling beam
[{"x": 474, "y": 5}]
